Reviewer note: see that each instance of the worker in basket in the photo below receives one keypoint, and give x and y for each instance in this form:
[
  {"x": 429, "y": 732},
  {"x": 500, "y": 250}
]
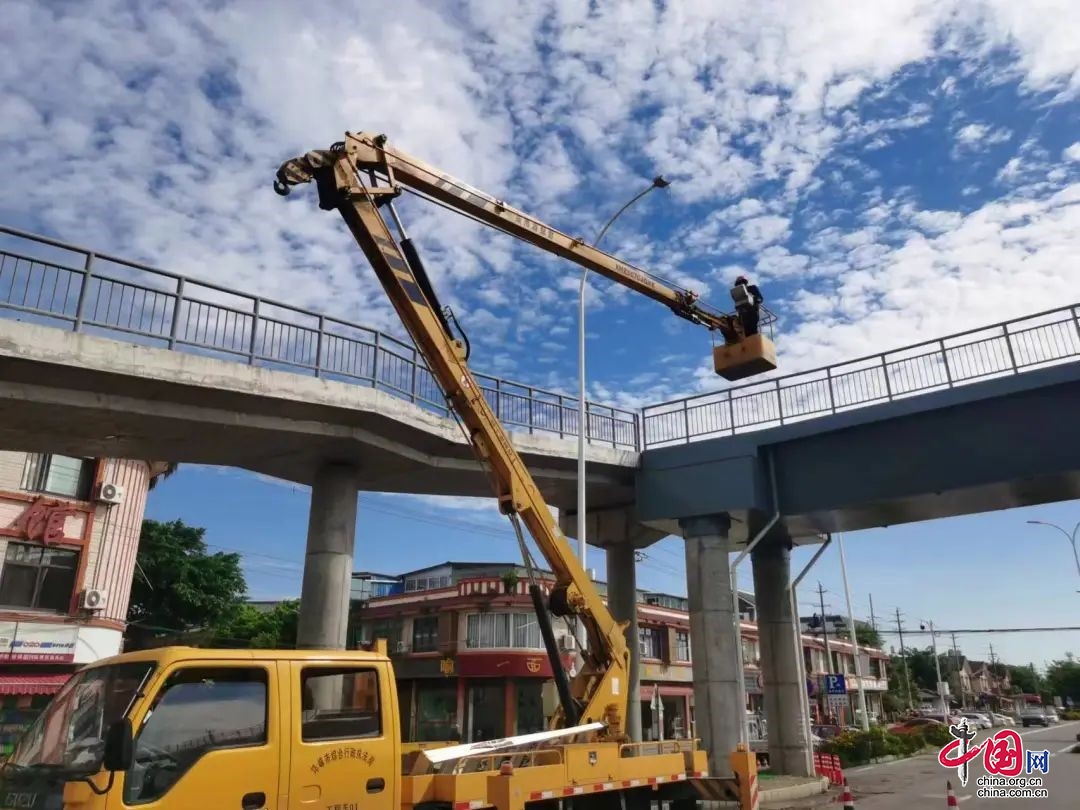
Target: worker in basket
[
  {"x": 744, "y": 323},
  {"x": 748, "y": 300}
]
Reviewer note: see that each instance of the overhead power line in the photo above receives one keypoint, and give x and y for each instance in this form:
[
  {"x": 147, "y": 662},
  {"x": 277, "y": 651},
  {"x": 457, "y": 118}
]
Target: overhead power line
[{"x": 970, "y": 630}]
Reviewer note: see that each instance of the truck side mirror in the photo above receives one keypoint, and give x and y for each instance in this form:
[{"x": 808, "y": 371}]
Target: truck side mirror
[{"x": 119, "y": 746}]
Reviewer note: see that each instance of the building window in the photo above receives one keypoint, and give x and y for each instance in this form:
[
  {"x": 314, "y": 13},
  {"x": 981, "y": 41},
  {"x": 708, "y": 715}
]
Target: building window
[
  {"x": 425, "y": 634},
  {"x": 38, "y": 577},
  {"x": 66, "y": 476},
  {"x": 664, "y": 600},
  {"x": 652, "y": 642},
  {"x": 436, "y": 713},
  {"x": 749, "y": 652},
  {"x": 427, "y": 583},
  {"x": 495, "y": 630},
  {"x": 390, "y": 629},
  {"x": 682, "y": 646}
]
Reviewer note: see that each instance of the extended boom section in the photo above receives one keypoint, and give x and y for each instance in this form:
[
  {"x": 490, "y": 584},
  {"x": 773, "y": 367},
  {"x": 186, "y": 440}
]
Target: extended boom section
[
  {"x": 599, "y": 691},
  {"x": 370, "y": 153}
]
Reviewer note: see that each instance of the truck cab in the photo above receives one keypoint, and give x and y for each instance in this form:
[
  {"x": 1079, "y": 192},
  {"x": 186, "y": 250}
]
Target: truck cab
[{"x": 193, "y": 728}]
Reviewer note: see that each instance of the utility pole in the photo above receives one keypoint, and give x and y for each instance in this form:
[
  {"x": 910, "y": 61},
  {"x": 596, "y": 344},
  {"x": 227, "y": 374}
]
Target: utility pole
[
  {"x": 825, "y": 629},
  {"x": 873, "y": 619},
  {"x": 903, "y": 655},
  {"x": 958, "y": 667},
  {"x": 825, "y": 639},
  {"x": 994, "y": 674},
  {"x": 937, "y": 670}
]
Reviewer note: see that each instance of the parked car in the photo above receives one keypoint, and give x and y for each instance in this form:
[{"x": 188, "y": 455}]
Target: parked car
[
  {"x": 977, "y": 719},
  {"x": 1051, "y": 715},
  {"x": 1002, "y": 719}
]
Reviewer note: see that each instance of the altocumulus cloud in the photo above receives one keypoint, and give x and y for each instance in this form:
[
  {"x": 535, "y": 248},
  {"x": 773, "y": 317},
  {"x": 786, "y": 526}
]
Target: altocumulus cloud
[{"x": 155, "y": 133}]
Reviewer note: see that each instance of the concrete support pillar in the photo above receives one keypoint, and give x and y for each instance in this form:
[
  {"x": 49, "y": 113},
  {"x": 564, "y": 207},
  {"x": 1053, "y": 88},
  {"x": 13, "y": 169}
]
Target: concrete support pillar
[
  {"x": 780, "y": 644},
  {"x": 718, "y": 703},
  {"x": 622, "y": 602},
  {"x": 328, "y": 562}
]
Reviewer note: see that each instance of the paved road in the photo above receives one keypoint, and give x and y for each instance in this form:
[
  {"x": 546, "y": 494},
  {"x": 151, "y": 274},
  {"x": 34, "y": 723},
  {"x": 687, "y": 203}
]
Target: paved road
[{"x": 915, "y": 784}]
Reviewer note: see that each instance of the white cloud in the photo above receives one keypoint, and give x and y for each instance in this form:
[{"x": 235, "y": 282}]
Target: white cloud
[
  {"x": 156, "y": 134},
  {"x": 973, "y": 135},
  {"x": 759, "y": 232}
]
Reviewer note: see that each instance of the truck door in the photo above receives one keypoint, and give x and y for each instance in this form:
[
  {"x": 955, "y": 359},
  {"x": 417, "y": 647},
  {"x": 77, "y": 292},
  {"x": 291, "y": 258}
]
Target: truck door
[
  {"x": 210, "y": 737},
  {"x": 345, "y": 753}
]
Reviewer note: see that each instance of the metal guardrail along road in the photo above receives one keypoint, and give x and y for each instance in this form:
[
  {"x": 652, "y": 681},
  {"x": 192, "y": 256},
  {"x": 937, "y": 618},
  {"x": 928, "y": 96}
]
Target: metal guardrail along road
[{"x": 50, "y": 282}]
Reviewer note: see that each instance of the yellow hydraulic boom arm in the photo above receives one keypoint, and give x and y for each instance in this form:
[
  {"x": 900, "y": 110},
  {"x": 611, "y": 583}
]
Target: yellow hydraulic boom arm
[
  {"x": 370, "y": 153},
  {"x": 357, "y": 177}
]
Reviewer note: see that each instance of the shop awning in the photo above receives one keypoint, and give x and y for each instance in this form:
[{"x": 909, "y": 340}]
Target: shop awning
[{"x": 32, "y": 684}]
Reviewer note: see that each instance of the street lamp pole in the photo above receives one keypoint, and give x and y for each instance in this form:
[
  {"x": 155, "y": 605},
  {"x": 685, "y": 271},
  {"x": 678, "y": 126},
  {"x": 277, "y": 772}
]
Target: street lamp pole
[
  {"x": 1072, "y": 538},
  {"x": 865, "y": 718},
  {"x": 658, "y": 182}
]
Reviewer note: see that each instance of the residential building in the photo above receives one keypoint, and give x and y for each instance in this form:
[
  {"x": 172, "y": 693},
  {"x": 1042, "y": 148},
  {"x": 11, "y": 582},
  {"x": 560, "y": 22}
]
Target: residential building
[
  {"x": 69, "y": 533},
  {"x": 976, "y": 683},
  {"x": 470, "y": 661}
]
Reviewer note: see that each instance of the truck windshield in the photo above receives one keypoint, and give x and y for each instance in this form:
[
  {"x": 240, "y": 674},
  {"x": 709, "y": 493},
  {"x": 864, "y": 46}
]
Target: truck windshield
[{"x": 69, "y": 734}]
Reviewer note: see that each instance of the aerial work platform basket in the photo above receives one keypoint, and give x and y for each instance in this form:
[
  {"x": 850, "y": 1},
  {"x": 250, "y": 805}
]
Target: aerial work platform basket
[{"x": 753, "y": 355}]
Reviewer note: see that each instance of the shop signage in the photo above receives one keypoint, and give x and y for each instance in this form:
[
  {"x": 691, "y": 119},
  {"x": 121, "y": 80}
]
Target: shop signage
[
  {"x": 499, "y": 665},
  {"x": 37, "y": 643},
  {"x": 43, "y": 520}
]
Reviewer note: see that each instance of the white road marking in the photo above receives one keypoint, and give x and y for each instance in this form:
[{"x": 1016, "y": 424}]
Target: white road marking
[
  {"x": 1057, "y": 727},
  {"x": 864, "y": 768},
  {"x": 1065, "y": 750}
]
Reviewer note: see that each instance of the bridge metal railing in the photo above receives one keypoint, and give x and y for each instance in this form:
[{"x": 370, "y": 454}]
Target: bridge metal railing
[
  {"x": 1011, "y": 347},
  {"x": 50, "y": 282},
  {"x": 54, "y": 283}
]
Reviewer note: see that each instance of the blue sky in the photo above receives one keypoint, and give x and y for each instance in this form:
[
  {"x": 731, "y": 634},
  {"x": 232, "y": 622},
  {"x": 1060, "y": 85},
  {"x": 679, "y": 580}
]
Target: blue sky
[{"x": 889, "y": 173}]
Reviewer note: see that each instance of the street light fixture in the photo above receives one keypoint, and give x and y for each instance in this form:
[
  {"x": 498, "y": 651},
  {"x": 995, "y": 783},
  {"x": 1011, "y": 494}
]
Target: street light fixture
[
  {"x": 658, "y": 182},
  {"x": 1072, "y": 538}
]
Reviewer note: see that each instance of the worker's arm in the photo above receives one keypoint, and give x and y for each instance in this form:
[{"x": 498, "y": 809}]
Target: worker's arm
[
  {"x": 600, "y": 689},
  {"x": 369, "y": 152}
]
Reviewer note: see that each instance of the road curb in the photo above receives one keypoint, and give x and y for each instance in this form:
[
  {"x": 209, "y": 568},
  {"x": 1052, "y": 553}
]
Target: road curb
[{"x": 793, "y": 792}]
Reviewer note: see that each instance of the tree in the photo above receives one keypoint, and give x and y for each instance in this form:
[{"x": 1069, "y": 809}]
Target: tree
[
  {"x": 1063, "y": 678},
  {"x": 865, "y": 634},
  {"x": 1025, "y": 680},
  {"x": 923, "y": 671},
  {"x": 179, "y": 586},
  {"x": 901, "y": 688},
  {"x": 262, "y": 629}
]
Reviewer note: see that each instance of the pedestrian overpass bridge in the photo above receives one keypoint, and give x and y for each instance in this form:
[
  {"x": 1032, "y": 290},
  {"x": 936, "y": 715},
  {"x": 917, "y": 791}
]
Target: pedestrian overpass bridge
[{"x": 104, "y": 356}]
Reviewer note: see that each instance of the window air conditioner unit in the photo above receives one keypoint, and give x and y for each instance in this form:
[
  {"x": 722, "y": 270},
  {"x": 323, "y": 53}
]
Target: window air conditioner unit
[
  {"x": 109, "y": 493},
  {"x": 643, "y": 648},
  {"x": 567, "y": 643},
  {"x": 401, "y": 647},
  {"x": 92, "y": 599}
]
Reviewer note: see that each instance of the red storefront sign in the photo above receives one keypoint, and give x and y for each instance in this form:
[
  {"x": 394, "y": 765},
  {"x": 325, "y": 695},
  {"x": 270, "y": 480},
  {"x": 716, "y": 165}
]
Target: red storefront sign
[
  {"x": 505, "y": 665},
  {"x": 43, "y": 521}
]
